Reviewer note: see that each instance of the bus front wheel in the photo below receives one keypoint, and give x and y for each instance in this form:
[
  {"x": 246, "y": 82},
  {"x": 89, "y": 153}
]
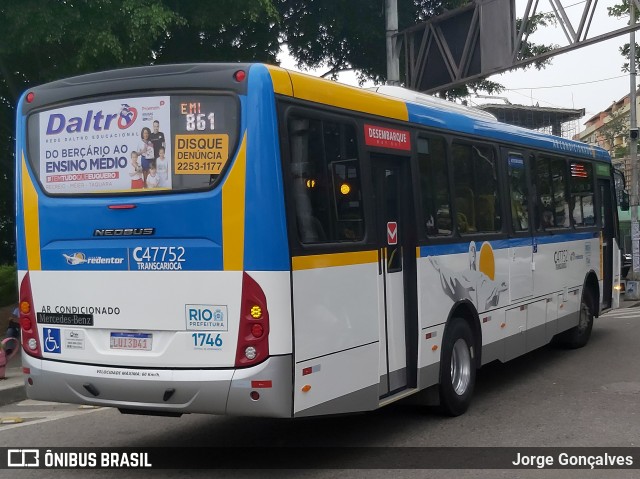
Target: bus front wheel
[{"x": 457, "y": 368}]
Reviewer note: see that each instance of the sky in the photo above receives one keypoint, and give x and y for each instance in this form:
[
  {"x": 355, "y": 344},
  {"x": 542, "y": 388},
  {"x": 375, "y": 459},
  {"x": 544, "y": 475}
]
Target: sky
[{"x": 590, "y": 77}]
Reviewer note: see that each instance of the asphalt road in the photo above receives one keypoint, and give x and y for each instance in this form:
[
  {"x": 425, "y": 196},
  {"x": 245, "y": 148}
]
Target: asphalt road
[{"x": 550, "y": 397}]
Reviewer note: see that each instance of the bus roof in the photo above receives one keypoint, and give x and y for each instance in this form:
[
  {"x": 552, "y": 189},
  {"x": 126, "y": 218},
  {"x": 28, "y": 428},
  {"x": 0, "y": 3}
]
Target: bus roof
[
  {"x": 434, "y": 112},
  {"x": 392, "y": 103}
]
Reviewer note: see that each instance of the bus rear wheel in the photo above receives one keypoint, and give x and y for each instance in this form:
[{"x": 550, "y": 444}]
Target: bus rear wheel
[
  {"x": 457, "y": 368},
  {"x": 579, "y": 335}
]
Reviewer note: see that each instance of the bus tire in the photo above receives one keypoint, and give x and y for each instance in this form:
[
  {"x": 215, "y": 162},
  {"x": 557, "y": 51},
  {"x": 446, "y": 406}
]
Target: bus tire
[
  {"x": 579, "y": 335},
  {"x": 457, "y": 368}
]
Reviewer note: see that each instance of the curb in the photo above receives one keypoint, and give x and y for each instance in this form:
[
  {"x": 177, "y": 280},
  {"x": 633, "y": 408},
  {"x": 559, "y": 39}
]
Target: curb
[
  {"x": 12, "y": 394},
  {"x": 12, "y": 388}
]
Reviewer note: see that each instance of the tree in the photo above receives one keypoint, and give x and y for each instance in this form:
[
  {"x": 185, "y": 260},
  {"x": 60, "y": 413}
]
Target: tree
[
  {"x": 350, "y": 35},
  {"x": 617, "y": 125},
  {"x": 44, "y": 40},
  {"x": 622, "y": 10}
]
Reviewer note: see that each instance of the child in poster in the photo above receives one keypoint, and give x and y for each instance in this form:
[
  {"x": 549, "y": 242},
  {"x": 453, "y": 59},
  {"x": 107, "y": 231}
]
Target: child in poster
[
  {"x": 162, "y": 165},
  {"x": 137, "y": 182},
  {"x": 153, "y": 179}
]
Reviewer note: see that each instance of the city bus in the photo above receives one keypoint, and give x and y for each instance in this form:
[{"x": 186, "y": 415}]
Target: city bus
[{"x": 245, "y": 240}]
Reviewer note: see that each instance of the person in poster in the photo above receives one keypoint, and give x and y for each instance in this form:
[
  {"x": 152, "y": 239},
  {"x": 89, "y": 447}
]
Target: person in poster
[
  {"x": 162, "y": 165},
  {"x": 137, "y": 183},
  {"x": 153, "y": 180},
  {"x": 145, "y": 151},
  {"x": 157, "y": 138}
]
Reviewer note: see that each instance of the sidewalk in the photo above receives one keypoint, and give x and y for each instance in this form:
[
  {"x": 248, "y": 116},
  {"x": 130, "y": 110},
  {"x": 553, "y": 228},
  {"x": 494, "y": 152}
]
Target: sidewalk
[{"x": 12, "y": 388}]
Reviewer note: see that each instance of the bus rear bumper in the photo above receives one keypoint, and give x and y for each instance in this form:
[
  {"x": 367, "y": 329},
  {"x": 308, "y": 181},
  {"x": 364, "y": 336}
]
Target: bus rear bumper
[{"x": 178, "y": 391}]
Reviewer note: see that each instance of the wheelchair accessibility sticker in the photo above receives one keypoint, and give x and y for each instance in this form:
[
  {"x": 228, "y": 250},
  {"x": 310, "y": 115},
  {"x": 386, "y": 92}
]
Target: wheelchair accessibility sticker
[{"x": 52, "y": 342}]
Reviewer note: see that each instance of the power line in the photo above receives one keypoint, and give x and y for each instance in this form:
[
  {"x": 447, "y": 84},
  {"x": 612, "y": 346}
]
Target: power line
[
  {"x": 568, "y": 6},
  {"x": 569, "y": 84},
  {"x": 538, "y": 100}
]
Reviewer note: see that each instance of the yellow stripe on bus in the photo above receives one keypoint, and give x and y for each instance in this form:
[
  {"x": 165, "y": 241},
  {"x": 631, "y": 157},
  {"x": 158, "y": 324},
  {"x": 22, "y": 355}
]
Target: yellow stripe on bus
[
  {"x": 233, "y": 213},
  {"x": 335, "y": 94},
  {"x": 31, "y": 219},
  {"x": 336, "y": 259},
  {"x": 307, "y": 87},
  {"x": 281, "y": 81}
]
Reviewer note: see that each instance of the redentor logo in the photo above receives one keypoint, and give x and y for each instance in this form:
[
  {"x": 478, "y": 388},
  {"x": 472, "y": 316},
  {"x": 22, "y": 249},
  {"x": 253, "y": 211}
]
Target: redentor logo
[{"x": 94, "y": 121}]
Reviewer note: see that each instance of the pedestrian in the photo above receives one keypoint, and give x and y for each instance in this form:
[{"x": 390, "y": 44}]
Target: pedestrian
[{"x": 13, "y": 330}]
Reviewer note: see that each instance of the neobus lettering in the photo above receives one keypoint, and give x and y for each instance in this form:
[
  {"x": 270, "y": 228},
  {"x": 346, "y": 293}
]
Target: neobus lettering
[{"x": 58, "y": 122}]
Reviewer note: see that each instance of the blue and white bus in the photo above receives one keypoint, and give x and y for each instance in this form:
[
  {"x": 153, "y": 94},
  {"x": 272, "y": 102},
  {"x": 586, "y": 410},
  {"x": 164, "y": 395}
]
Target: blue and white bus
[{"x": 241, "y": 239}]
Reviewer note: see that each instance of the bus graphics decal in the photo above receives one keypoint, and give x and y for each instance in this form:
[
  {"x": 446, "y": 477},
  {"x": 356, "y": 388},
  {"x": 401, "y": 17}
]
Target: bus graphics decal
[
  {"x": 75, "y": 259},
  {"x": 63, "y": 318},
  {"x": 478, "y": 283},
  {"x": 383, "y": 137},
  {"x": 52, "y": 342},
  {"x": 206, "y": 317},
  {"x": 85, "y": 259},
  {"x": 73, "y": 339},
  {"x": 159, "y": 258}
]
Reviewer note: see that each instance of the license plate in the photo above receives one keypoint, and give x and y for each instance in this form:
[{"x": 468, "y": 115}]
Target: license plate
[{"x": 131, "y": 341}]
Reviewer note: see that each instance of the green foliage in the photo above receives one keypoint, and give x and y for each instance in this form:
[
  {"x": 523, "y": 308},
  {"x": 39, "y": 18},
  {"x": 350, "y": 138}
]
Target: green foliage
[
  {"x": 224, "y": 30},
  {"x": 8, "y": 285},
  {"x": 621, "y": 151},
  {"x": 622, "y": 10},
  {"x": 45, "y": 40},
  {"x": 618, "y": 125},
  {"x": 529, "y": 49}
]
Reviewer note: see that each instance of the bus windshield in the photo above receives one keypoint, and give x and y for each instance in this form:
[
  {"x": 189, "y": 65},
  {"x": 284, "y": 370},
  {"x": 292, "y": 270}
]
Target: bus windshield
[{"x": 133, "y": 144}]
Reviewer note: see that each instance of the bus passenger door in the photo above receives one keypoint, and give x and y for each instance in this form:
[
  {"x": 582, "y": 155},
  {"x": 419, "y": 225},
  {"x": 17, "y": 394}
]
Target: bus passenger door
[
  {"x": 607, "y": 237},
  {"x": 396, "y": 273},
  {"x": 521, "y": 251}
]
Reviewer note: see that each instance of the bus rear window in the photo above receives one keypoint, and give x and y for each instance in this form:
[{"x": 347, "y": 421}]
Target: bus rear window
[{"x": 134, "y": 145}]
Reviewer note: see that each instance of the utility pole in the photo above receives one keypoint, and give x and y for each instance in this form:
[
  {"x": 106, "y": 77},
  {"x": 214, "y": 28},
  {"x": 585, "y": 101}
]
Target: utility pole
[
  {"x": 633, "y": 146},
  {"x": 393, "y": 59}
]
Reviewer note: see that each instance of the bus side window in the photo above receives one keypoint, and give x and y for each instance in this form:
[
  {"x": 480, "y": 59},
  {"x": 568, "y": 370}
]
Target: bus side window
[
  {"x": 582, "y": 194},
  {"x": 434, "y": 186},
  {"x": 518, "y": 192},
  {"x": 551, "y": 181},
  {"x": 325, "y": 173},
  {"x": 476, "y": 189}
]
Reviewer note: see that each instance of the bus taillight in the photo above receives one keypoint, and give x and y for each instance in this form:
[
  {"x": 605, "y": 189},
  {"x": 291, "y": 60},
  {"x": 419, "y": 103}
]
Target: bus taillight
[
  {"x": 253, "y": 335},
  {"x": 30, "y": 341}
]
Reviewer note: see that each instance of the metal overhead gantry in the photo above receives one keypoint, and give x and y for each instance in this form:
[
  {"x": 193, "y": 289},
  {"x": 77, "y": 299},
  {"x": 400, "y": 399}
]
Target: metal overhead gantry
[{"x": 481, "y": 39}]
